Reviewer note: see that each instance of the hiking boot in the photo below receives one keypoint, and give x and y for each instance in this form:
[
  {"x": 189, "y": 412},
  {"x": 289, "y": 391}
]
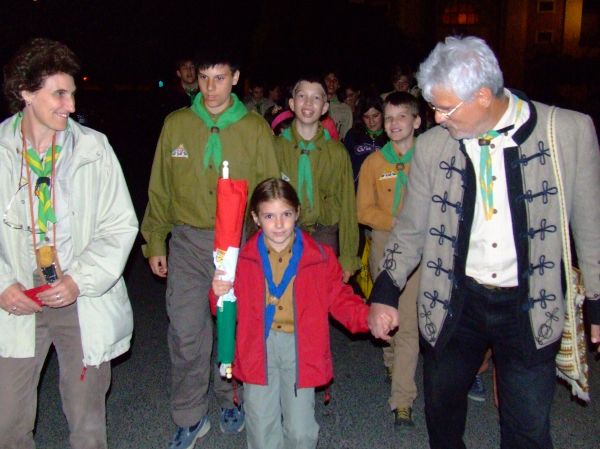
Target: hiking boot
[{"x": 403, "y": 417}]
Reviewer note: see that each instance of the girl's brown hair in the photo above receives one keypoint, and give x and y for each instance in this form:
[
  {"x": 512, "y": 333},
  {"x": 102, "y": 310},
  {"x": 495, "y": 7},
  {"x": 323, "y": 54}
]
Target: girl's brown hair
[{"x": 274, "y": 189}]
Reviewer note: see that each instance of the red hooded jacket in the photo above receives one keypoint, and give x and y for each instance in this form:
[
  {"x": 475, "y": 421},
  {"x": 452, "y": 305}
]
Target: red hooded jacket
[{"x": 318, "y": 292}]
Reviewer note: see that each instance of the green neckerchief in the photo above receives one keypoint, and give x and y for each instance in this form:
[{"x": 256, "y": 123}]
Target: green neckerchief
[
  {"x": 231, "y": 115},
  {"x": 304, "y": 167},
  {"x": 392, "y": 157},
  {"x": 486, "y": 180},
  {"x": 43, "y": 171},
  {"x": 374, "y": 134}
]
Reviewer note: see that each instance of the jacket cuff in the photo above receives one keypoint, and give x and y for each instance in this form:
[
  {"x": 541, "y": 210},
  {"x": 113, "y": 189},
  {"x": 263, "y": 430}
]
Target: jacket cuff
[
  {"x": 154, "y": 248},
  {"x": 385, "y": 291},
  {"x": 593, "y": 310}
]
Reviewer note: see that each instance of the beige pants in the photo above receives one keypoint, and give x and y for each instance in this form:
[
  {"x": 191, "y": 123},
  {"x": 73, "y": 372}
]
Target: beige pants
[
  {"x": 83, "y": 394},
  {"x": 402, "y": 354}
]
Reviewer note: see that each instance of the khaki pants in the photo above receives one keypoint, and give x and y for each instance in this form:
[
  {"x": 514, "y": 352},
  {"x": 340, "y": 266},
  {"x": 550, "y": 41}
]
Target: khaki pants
[
  {"x": 83, "y": 394},
  {"x": 190, "y": 334},
  {"x": 402, "y": 354}
]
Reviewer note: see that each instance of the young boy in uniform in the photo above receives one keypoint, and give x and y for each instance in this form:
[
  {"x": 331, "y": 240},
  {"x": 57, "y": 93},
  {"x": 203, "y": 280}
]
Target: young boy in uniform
[
  {"x": 319, "y": 169},
  {"x": 182, "y": 202},
  {"x": 381, "y": 188}
]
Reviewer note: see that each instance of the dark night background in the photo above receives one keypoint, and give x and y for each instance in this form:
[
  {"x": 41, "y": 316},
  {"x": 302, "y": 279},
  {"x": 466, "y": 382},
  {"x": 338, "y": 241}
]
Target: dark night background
[
  {"x": 135, "y": 43},
  {"x": 126, "y": 47}
]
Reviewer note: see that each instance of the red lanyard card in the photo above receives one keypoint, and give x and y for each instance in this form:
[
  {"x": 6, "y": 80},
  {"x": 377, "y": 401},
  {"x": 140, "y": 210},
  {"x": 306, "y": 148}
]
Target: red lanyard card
[{"x": 32, "y": 293}]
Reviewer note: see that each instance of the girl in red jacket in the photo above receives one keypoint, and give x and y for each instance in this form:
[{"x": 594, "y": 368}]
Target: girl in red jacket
[{"x": 287, "y": 284}]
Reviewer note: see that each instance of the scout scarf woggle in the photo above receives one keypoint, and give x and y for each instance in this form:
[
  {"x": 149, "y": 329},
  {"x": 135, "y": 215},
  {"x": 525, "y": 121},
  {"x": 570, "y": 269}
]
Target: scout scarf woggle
[{"x": 231, "y": 115}]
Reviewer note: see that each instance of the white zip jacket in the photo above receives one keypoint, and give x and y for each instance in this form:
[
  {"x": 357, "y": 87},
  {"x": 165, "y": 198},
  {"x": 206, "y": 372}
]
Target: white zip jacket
[{"x": 103, "y": 227}]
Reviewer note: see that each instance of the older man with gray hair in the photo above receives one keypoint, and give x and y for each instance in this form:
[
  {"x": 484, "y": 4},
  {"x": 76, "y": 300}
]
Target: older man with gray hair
[{"x": 482, "y": 212}]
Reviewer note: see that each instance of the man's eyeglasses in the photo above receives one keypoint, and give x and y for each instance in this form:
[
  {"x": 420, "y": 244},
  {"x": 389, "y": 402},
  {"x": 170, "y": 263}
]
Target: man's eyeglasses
[{"x": 446, "y": 114}]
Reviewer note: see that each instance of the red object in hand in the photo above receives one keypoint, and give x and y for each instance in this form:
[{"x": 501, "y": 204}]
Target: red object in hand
[{"x": 32, "y": 293}]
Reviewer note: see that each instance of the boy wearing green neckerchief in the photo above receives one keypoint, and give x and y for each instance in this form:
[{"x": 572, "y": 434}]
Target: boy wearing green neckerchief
[
  {"x": 381, "y": 189},
  {"x": 182, "y": 202},
  {"x": 319, "y": 169}
]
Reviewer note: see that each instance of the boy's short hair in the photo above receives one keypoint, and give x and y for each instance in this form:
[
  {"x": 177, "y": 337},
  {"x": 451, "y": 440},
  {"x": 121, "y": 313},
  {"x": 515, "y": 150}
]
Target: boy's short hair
[
  {"x": 179, "y": 62},
  {"x": 403, "y": 99},
  {"x": 310, "y": 79},
  {"x": 332, "y": 71},
  {"x": 210, "y": 57}
]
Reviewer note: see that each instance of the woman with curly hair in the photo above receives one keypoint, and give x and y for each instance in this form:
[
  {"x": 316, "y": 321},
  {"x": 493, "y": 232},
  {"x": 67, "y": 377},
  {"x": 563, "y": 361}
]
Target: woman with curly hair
[{"x": 67, "y": 230}]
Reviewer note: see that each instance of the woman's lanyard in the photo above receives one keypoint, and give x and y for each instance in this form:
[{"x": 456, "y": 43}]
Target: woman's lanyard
[
  {"x": 277, "y": 291},
  {"x": 50, "y": 189}
]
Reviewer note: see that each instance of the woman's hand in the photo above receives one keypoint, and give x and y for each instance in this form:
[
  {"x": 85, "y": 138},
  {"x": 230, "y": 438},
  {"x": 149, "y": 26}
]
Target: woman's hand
[
  {"x": 15, "y": 302},
  {"x": 62, "y": 293}
]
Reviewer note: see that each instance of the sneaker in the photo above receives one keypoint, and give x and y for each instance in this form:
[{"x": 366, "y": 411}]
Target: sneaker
[
  {"x": 185, "y": 437},
  {"x": 232, "y": 420},
  {"x": 477, "y": 391},
  {"x": 403, "y": 417}
]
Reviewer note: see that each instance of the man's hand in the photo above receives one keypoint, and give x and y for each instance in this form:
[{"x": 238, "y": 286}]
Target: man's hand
[
  {"x": 15, "y": 302},
  {"x": 595, "y": 335},
  {"x": 158, "y": 265},
  {"x": 63, "y": 293},
  {"x": 382, "y": 320}
]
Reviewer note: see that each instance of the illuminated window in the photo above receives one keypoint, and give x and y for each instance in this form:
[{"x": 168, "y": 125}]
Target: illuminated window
[{"x": 460, "y": 13}]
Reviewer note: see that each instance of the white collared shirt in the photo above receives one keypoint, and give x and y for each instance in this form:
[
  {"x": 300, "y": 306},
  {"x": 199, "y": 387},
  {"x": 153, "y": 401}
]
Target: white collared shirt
[{"x": 492, "y": 257}]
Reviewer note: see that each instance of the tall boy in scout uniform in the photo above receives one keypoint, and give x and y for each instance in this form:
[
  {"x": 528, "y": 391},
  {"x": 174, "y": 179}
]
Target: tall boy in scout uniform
[{"x": 182, "y": 202}]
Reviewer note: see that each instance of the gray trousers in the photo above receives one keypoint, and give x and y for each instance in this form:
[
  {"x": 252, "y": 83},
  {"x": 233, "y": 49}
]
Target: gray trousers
[
  {"x": 266, "y": 405},
  {"x": 190, "y": 334},
  {"x": 83, "y": 394}
]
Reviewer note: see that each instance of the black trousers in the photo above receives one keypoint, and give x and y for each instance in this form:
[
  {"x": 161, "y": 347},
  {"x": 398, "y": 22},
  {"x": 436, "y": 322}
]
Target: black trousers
[{"x": 489, "y": 319}]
